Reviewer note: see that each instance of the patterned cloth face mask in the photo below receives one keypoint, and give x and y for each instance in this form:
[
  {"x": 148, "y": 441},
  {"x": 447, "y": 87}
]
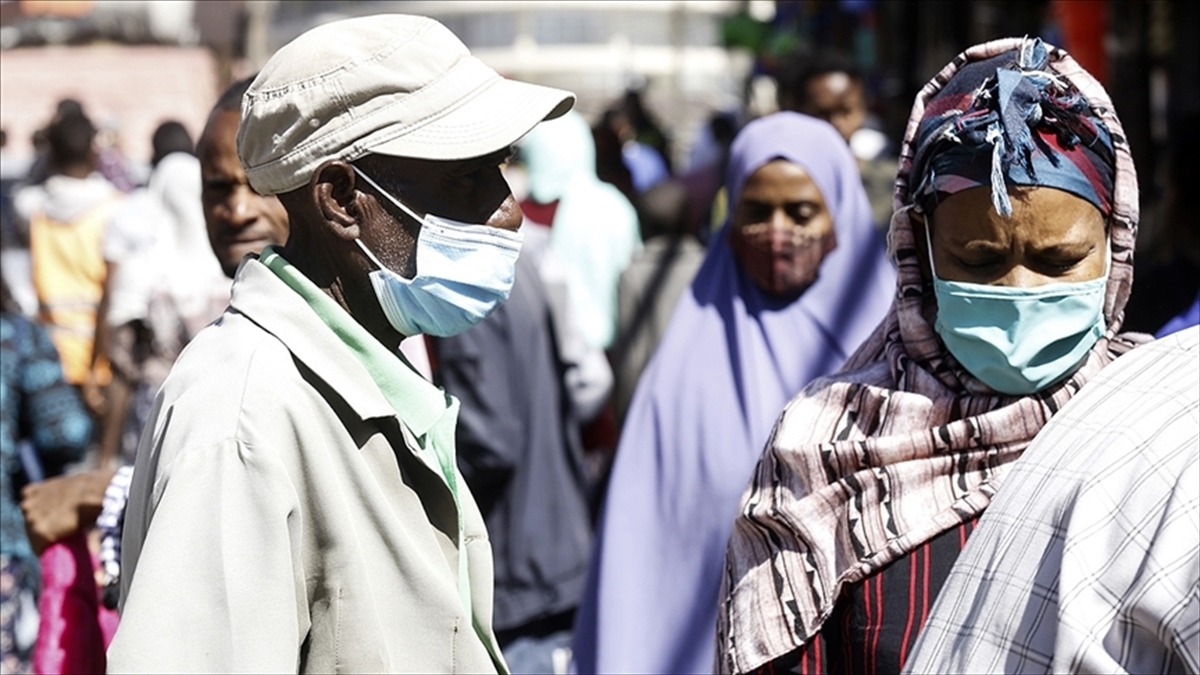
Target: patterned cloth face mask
[
  {"x": 1019, "y": 340},
  {"x": 464, "y": 272},
  {"x": 782, "y": 261}
]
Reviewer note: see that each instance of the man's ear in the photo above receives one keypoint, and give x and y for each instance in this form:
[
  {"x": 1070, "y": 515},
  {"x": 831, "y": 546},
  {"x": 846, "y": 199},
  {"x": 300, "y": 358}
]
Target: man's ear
[{"x": 334, "y": 193}]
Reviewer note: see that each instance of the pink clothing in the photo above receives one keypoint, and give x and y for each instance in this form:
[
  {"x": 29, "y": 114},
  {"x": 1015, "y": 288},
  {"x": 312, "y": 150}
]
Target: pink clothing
[{"x": 75, "y": 627}]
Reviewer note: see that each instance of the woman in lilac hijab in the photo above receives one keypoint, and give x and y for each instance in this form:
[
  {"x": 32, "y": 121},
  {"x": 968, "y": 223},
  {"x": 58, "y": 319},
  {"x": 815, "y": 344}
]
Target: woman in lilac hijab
[{"x": 791, "y": 285}]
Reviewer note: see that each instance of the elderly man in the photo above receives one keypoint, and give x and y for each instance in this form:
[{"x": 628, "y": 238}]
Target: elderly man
[{"x": 296, "y": 506}]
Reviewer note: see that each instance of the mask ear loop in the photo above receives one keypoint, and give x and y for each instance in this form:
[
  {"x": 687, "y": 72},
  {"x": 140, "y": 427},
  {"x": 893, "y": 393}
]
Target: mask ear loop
[
  {"x": 370, "y": 255},
  {"x": 1107, "y": 254},
  {"x": 390, "y": 197},
  {"x": 929, "y": 246}
]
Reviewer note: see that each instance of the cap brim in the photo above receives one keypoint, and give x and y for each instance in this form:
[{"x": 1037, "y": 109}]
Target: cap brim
[{"x": 493, "y": 119}]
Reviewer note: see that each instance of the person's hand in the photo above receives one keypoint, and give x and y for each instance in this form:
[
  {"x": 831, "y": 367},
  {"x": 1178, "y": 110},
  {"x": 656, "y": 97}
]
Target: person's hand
[
  {"x": 58, "y": 507},
  {"x": 94, "y": 396}
]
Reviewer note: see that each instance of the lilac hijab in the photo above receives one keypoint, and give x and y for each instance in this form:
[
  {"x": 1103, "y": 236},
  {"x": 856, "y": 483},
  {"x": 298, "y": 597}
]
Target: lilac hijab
[{"x": 704, "y": 408}]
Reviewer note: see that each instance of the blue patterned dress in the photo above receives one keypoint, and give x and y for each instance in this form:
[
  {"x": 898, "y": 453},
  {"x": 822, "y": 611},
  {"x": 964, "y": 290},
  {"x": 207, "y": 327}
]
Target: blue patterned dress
[{"x": 36, "y": 405}]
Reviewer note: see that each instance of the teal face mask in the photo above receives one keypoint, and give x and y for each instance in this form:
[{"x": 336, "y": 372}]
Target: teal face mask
[{"x": 1019, "y": 340}]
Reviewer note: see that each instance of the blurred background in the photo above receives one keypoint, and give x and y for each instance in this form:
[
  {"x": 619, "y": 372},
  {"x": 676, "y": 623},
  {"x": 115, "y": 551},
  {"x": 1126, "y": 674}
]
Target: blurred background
[
  {"x": 136, "y": 63},
  {"x": 101, "y": 102}
]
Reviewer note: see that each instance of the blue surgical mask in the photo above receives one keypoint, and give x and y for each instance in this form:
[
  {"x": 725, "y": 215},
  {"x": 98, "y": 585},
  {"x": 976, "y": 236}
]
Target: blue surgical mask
[
  {"x": 464, "y": 272},
  {"x": 1019, "y": 340}
]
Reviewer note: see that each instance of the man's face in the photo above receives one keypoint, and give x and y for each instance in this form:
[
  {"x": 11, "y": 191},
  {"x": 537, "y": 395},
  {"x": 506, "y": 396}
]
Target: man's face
[
  {"x": 836, "y": 98},
  {"x": 470, "y": 191},
  {"x": 239, "y": 220}
]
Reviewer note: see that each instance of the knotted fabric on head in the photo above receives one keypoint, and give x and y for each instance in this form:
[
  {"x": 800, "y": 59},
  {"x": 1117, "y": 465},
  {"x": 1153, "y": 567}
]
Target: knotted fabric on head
[{"x": 1011, "y": 120}]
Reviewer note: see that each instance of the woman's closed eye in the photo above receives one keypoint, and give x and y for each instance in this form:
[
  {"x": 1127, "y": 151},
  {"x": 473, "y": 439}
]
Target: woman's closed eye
[
  {"x": 1061, "y": 265},
  {"x": 977, "y": 262}
]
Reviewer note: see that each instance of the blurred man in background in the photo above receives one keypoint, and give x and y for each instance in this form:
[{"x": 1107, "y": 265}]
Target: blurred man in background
[
  {"x": 239, "y": 220},
  {"x": 829, "y": 86},
  {"x": 527, "y": 381}
]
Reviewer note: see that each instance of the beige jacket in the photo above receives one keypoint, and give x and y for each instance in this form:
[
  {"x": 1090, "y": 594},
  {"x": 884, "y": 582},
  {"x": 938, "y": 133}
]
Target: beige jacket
[{"x": 281, "y": 518}]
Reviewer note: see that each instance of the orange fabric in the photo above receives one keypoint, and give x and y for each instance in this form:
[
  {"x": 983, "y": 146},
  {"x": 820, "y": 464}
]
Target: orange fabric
[
  {"x": 1084, "y": 23},
  {"x": 68, "y": 275},
  {"x": 68, "y": 8}
]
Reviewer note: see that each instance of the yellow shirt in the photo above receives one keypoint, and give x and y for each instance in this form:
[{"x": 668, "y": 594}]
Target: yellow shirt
[{"x": 68, "y": 275}]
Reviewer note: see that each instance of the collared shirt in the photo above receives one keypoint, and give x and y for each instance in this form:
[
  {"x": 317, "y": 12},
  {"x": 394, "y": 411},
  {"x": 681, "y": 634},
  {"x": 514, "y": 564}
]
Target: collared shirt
[
  {"x": 284, "y": 515},
  {"x": 1088, "y": 559}
]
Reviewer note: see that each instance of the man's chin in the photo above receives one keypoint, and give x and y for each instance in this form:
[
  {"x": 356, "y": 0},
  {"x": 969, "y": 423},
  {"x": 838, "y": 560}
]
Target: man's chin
[
  {"x": 234, "y": 254},
  {"x": 231, "y": 262}
]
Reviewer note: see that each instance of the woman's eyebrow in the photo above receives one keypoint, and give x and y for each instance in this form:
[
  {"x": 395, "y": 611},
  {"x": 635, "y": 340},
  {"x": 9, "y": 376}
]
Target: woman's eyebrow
[
  {"x": 984, "y": 245},
  {"x": 1068, "y": 247}
]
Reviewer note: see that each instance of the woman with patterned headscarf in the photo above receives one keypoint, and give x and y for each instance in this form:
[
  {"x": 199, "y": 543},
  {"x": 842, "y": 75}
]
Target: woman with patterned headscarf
[{"x": 1014, "y": 235}]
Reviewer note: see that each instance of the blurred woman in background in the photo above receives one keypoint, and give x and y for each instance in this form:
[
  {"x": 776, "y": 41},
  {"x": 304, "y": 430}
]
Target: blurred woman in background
[{"x": 791, "y": 285}]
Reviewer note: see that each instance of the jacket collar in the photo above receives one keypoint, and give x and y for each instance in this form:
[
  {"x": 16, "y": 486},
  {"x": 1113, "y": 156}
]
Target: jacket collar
[{"x": 333, "y": 345}]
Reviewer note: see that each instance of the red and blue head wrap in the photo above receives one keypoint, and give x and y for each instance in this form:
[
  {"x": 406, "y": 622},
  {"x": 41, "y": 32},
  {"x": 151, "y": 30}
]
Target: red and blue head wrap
[{"x": 1009, "y": 120}]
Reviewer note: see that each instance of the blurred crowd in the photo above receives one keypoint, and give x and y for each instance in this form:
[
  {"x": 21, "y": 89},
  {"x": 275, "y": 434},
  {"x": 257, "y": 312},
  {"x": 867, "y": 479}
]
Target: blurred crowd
[{"x": 650, "y": 341}]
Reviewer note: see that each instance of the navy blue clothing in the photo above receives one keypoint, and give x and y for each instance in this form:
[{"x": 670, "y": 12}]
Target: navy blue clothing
[
  {"x": 876, "y": 621},
  {"x": 1185, "y": 319},
  {"x": 36, "y": 404},
  {"x": 519, "y": 449}
]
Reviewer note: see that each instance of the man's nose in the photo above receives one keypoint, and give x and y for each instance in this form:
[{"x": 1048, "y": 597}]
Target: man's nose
[
  {"x": 241, "y": 207},
  {"x": 508, "y": 215}
]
